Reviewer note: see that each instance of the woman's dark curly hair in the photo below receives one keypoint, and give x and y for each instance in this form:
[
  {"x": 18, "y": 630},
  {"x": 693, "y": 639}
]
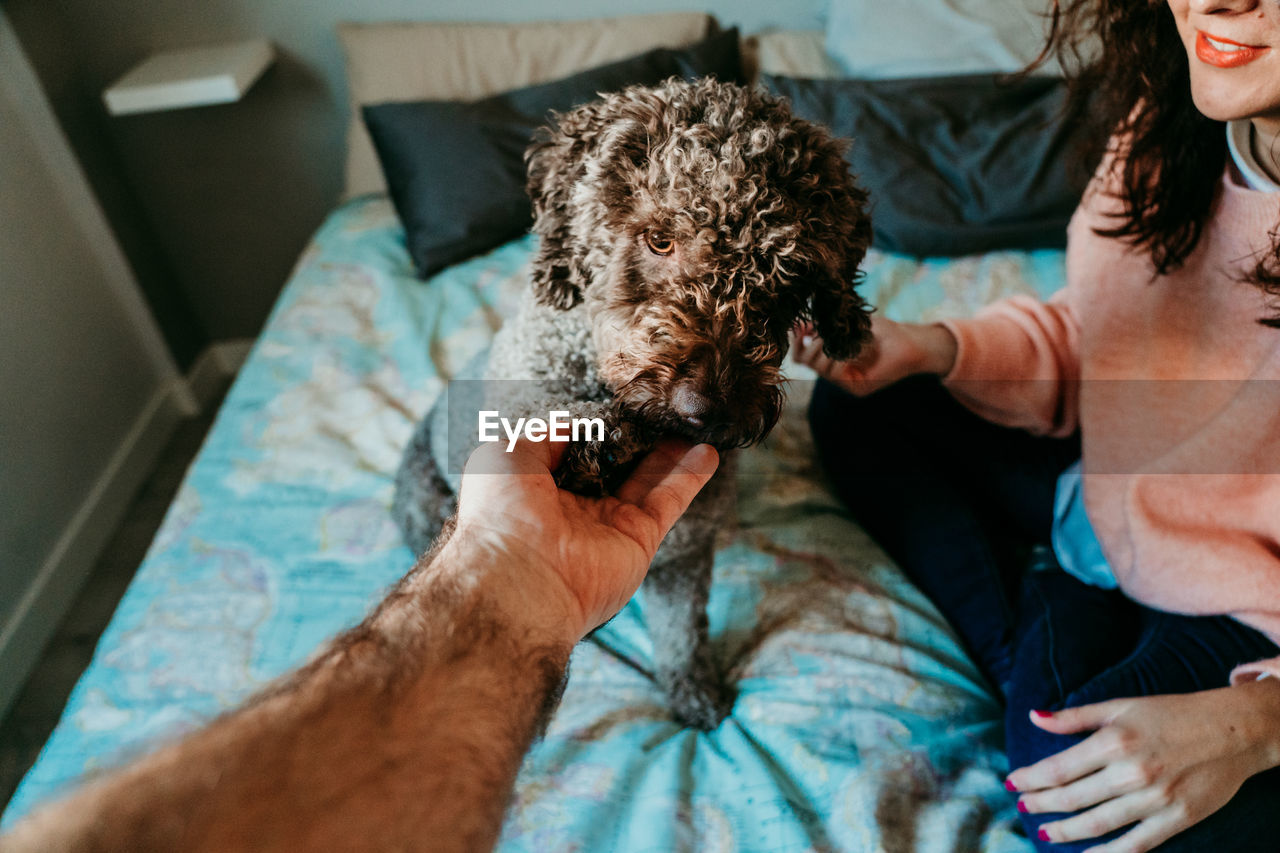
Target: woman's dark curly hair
[{"x": 1175, "y": 155}]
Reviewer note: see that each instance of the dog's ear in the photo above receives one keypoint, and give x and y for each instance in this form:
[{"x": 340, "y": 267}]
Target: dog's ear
[
  {"x": 556, "y": 162},
  {"x": 838, "y": 239}
]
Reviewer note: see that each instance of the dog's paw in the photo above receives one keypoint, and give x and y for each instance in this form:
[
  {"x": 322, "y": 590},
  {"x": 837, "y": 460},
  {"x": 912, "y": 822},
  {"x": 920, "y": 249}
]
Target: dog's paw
[
  {"x": 596, "y": 468},
  {"x": 580, "y": 471}
]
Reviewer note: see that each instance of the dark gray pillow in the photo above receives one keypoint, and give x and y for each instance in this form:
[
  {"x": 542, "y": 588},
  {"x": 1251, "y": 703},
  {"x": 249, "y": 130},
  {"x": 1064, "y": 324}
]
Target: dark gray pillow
[
  {"x": 455, "y": 170},
  {"x": 954, "y": 165}
]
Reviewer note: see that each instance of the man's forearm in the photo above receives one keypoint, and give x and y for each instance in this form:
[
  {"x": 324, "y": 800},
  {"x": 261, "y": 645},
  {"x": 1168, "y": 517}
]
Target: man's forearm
[{"x": 416, "y": 721}]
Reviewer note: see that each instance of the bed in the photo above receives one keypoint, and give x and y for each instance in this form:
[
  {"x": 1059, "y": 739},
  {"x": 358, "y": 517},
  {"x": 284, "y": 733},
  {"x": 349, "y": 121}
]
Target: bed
[{"x": 861, "y": 724}]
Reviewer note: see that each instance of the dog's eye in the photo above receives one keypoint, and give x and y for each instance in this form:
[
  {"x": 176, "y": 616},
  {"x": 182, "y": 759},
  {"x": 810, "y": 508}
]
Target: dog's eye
[{"x": 659, "y": 245}]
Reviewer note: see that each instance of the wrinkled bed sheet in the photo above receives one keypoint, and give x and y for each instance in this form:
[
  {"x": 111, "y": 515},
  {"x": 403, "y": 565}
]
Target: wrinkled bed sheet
[{"x": 860, "y": 723}]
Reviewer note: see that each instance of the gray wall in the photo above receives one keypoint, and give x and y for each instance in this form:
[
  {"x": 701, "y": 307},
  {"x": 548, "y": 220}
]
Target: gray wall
[
  {"x": 75, "y": 379},
  {"x": 83, "y": 364},
  {"x": 231, "y": 193}
]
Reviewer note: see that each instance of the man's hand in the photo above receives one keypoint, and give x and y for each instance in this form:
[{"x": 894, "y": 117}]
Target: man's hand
[
  {"x": 895, "y": 351},
  {"x": 405, "y": 732},
  {"x": 1162, "y": 763},
  {"x": 579, "y": 559}
]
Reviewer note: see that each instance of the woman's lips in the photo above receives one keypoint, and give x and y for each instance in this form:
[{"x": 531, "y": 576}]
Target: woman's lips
[{"x": 1225, "y": 53}]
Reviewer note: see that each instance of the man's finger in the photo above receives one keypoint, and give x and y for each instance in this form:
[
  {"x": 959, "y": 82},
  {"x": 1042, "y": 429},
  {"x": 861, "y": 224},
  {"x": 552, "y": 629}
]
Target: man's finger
[
  {"x": 666, "y": 481},
  {"x": 525, "y": 457}
]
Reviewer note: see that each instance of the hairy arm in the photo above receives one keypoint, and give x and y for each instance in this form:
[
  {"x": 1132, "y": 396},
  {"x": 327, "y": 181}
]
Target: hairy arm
[
  {"x": 445, "y": 689},
  {"x": 407, "y": 731}
]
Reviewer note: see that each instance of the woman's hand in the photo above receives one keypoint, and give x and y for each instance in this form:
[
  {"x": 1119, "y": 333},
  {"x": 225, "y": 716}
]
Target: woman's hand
[
  {"x": 895, "y": 351},
  {"x": 1163, "y": 763}
]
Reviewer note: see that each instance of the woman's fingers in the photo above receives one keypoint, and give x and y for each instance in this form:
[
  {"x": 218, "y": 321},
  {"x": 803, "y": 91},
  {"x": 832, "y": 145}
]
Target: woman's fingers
[
  {"x": 807, "y": 349},
  {"x": 1080, "y": 718},
  {"x": 1113, "y": 780},
  {"x": 1147, "y": 835},
  {"x": 1105, "y": 816},
  {"x": 806, "y": 346},
  {"x": 820, "y": 363},
  {"x": 808, "y": 352},
  {"x": 1062, "y": 768},
  {"x": 1077, "y": 761}
]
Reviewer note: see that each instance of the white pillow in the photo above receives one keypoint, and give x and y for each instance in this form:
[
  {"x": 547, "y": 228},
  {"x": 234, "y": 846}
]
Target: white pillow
[
  {"x": 789, "y": 53},
  {"x": 875, "y": 39}
]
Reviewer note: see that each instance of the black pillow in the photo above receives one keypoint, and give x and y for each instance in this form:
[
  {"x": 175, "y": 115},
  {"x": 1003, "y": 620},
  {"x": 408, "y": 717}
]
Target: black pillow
[
  {"x": 954, "y": 165},
  {"x": 455, "y": 170}
]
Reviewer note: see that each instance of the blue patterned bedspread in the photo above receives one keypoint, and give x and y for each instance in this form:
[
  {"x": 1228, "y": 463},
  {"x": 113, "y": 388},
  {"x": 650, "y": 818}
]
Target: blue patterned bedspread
[{"x": 860, "y": 724}]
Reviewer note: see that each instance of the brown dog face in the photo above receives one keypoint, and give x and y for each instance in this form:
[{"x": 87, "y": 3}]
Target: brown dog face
[{"x": 697, "y": 222}]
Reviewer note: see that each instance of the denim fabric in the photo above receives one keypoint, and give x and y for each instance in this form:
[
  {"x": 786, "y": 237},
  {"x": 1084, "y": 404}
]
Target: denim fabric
[{"x": 963, "y": 505}]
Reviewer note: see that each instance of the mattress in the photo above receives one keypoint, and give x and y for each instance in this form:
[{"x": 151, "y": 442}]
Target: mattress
[{"x": 860, "y": 723}]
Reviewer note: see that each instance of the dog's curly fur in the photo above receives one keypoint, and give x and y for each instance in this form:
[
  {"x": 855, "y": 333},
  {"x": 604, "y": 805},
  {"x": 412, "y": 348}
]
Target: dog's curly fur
[{"x": 685, "y": 228}]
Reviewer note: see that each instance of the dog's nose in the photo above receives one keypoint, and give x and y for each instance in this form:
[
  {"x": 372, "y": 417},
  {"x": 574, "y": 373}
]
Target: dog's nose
[{"x": 689, "y": 404}]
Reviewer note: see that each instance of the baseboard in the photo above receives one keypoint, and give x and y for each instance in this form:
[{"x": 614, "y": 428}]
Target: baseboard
[
  {"x": 46, "y": 601},
  {"x": 217, "y": 363}
]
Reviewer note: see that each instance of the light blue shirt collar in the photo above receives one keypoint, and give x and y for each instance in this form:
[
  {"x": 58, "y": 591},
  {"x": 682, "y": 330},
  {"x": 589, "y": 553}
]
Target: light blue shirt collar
[{"x": 1240, "y": 144}]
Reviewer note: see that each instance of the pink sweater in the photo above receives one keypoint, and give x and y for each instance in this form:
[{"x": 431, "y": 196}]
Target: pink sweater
[{"x": 1181, "y": 450}]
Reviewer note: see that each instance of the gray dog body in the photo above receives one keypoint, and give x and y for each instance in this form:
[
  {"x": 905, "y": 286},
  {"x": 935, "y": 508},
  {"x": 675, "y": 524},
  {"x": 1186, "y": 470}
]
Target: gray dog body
[{"x": 684, "y": 230}]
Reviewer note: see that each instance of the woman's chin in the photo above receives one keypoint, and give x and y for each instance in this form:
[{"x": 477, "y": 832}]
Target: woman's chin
[{"x": 1217, "y": 100}]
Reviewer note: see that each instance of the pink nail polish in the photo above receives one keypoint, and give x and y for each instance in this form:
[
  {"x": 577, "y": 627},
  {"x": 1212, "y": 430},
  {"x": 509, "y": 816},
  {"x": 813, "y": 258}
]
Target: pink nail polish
[
  {"x": 1022, "y": 807},
  {"x": 1010, "y": 787},
  {"x": 1043, "y": 714},
  {"x": 1043, "y": 835}
]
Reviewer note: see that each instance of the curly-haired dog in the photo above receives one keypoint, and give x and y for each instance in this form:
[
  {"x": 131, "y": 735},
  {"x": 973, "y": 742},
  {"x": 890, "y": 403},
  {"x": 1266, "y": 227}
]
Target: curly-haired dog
[{"x": 684, "y": 230}]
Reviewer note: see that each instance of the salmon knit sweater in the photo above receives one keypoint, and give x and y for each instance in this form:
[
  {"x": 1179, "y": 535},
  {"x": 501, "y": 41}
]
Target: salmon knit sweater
[{"x": 1174, "y": 387}]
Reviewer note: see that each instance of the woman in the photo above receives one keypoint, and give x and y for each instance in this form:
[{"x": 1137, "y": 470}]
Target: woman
[{"x": 1129, "y": 614}]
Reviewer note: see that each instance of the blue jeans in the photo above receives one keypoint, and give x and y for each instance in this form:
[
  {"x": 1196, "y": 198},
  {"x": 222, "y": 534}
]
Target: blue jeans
[{"x": 965, "y": 508}]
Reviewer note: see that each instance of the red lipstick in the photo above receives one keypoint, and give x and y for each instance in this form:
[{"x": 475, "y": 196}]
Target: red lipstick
[{"x": 1235, "y": 55}]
